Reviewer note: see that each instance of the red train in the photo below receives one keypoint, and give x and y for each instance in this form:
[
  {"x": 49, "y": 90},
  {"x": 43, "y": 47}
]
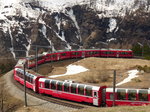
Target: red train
[
  {"x": 95, "y": 95},
  {"x": 61, "y": 55},
  {"x": 32, "y": 78}
]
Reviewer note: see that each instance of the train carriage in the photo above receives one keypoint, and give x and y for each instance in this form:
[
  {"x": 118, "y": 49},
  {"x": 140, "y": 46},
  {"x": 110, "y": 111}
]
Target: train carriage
[
  {"x": 124, "y": 96},
  {"x": 63, "y": 55},
  {"x": 92, "y": 53},
  {"x": 31, "y": 79},
  {"x": 51, "y": 57},
  {"x": 72, "y": 91},
  {"x": 31, "y": 61},
  {"x": 116, "y": 53},
  {"x": 75, "y": 54}
]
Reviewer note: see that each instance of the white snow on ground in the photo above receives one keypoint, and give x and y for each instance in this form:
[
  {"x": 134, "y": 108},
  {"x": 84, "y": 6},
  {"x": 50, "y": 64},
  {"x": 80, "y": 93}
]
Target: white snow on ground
[
  {"x": 132, "y": 74},
  {"x": 71, "y": 70}
]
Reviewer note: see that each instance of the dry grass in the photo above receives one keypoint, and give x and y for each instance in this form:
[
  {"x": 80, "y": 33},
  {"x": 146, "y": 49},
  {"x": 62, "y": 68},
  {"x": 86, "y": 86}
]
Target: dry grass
[
  {"x": 95, "y": 76},
  {"x": 9, "y": 102},
  {"x": 101, "y": 71},
  {"x": 117, "y": 109},
  {"x": 31, "y": 109}
]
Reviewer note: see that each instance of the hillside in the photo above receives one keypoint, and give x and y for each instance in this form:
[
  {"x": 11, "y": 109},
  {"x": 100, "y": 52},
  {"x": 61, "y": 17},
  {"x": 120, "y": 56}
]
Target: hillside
[
  {"x": 100, "y": 71},
  {"x": 71, "y": 25}
]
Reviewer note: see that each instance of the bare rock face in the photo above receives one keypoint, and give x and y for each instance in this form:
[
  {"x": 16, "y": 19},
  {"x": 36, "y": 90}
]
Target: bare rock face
[{"x": 74, "y": 27}]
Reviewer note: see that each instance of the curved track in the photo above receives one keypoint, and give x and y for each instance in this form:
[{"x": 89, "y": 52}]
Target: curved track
[{"x": 63, "y": 102}]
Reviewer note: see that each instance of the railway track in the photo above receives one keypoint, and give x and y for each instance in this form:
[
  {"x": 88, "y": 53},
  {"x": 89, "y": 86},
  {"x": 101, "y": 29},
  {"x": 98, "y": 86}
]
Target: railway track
[{"x": 61, "y": 102}]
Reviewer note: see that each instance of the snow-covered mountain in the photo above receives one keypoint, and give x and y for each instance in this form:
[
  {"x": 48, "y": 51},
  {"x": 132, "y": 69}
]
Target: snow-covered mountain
[{"x": 71, "y": 24}]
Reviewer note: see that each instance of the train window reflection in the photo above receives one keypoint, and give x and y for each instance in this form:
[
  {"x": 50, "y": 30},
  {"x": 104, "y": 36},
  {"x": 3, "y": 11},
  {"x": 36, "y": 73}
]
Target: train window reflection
[
  {"x": 53, "y": 85},
  {"x": 121, "y": 94},
  {"x": 47, "y": 83},
  {"x": 59, "y": 86},
  {"x": 81, "y": 89},
  {"x": 66, "y": 87},
  {"x": 132, "y": 95},
  {"x": 88, "y": 91},
  {"x": 143, "y": 95},
  {"x": 73, "y": 88}
]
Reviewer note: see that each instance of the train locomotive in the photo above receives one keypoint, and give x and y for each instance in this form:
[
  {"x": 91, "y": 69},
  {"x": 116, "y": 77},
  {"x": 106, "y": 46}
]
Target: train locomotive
[{"x": 95, "y": 95}]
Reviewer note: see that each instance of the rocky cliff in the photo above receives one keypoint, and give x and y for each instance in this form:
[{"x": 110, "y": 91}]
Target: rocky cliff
[{"x": 72, "y": 25}]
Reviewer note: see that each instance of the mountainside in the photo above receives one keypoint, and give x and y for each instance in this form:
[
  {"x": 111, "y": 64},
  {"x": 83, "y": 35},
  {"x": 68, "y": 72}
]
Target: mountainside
[{"x": 71, "y": 24}]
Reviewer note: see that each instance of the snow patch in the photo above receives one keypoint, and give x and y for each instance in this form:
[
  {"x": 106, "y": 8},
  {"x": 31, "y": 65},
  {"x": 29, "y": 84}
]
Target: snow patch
[
  {"x": 72, "y": 16},
  {"x": 71, "y": 70},
  {"x": 112, "y": 25},
  {"x": 132, "y": 74},
  {"x": 111, "y": 39}
]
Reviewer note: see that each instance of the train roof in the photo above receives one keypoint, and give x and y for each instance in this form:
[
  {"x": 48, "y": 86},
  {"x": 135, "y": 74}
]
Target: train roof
[
  {"x": 87, "y": 50},
  {"x": 33, "y": 56},
  {"x": 117, "y": 49},
  {"x": 93, "y": 87}
]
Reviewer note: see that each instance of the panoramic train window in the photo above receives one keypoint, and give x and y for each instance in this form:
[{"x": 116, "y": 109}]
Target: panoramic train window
[
  {"x": 81, "y": 89},
  {"x": 59, "y": 86},
  {"x": 88, "y": 90},
  {"x": 95, "y": 52},
  {"x": 40, "y": 58},
  {"x": 73, "y": 88},
  {"x": 31, "y": 80},
  {"x": 21, "y": 75},
  {"x": 47, "y": 83},
  {"x": 28, "y": 78},
  {"x": 66, "y": 87},
  {"x": 63, "y": 54},
  {"x": 105, "y": 52},
  {"x": 143, "y": 95},
  {"x": 121, "y": 94},
  {"x": 53, "y": 84},
  {"x": 54, "y": 55},
  {"x": 123, "y": 53},
  {"x": 89, "y": 53},
  {"x": 131, "y": 94},
  {"x": 75, "y": 53},
  {"x": 92, "y": 52}
]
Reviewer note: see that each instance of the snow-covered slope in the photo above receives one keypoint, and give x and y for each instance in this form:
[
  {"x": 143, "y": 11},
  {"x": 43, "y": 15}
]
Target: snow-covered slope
[{"x": 63, "y": 24}]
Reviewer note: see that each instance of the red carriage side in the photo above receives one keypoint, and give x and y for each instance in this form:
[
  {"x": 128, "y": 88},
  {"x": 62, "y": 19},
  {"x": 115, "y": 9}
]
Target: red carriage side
[
  {"x": 31, "y": 78},
  {"x": 31, "y": 61},
  {"x": 71, "y": 91},
  {"x": 131, "y": 97}
]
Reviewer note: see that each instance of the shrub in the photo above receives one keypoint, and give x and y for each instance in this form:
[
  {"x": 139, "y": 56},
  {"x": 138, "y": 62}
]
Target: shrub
[
  {"x": 137, "y": 80},
  {"x": 144, "y": 68},
  {"x": 6, "y": 65}
]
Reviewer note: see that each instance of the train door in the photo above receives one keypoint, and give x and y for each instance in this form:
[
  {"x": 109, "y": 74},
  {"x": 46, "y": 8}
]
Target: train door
[
  {"x": 58, "y": 56},
  {"x": 117, "y": 54},
  {"x": 95, "y": 98},
  {"x": 83, "y": 54},
  {"x": 34, "y": 84}
]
